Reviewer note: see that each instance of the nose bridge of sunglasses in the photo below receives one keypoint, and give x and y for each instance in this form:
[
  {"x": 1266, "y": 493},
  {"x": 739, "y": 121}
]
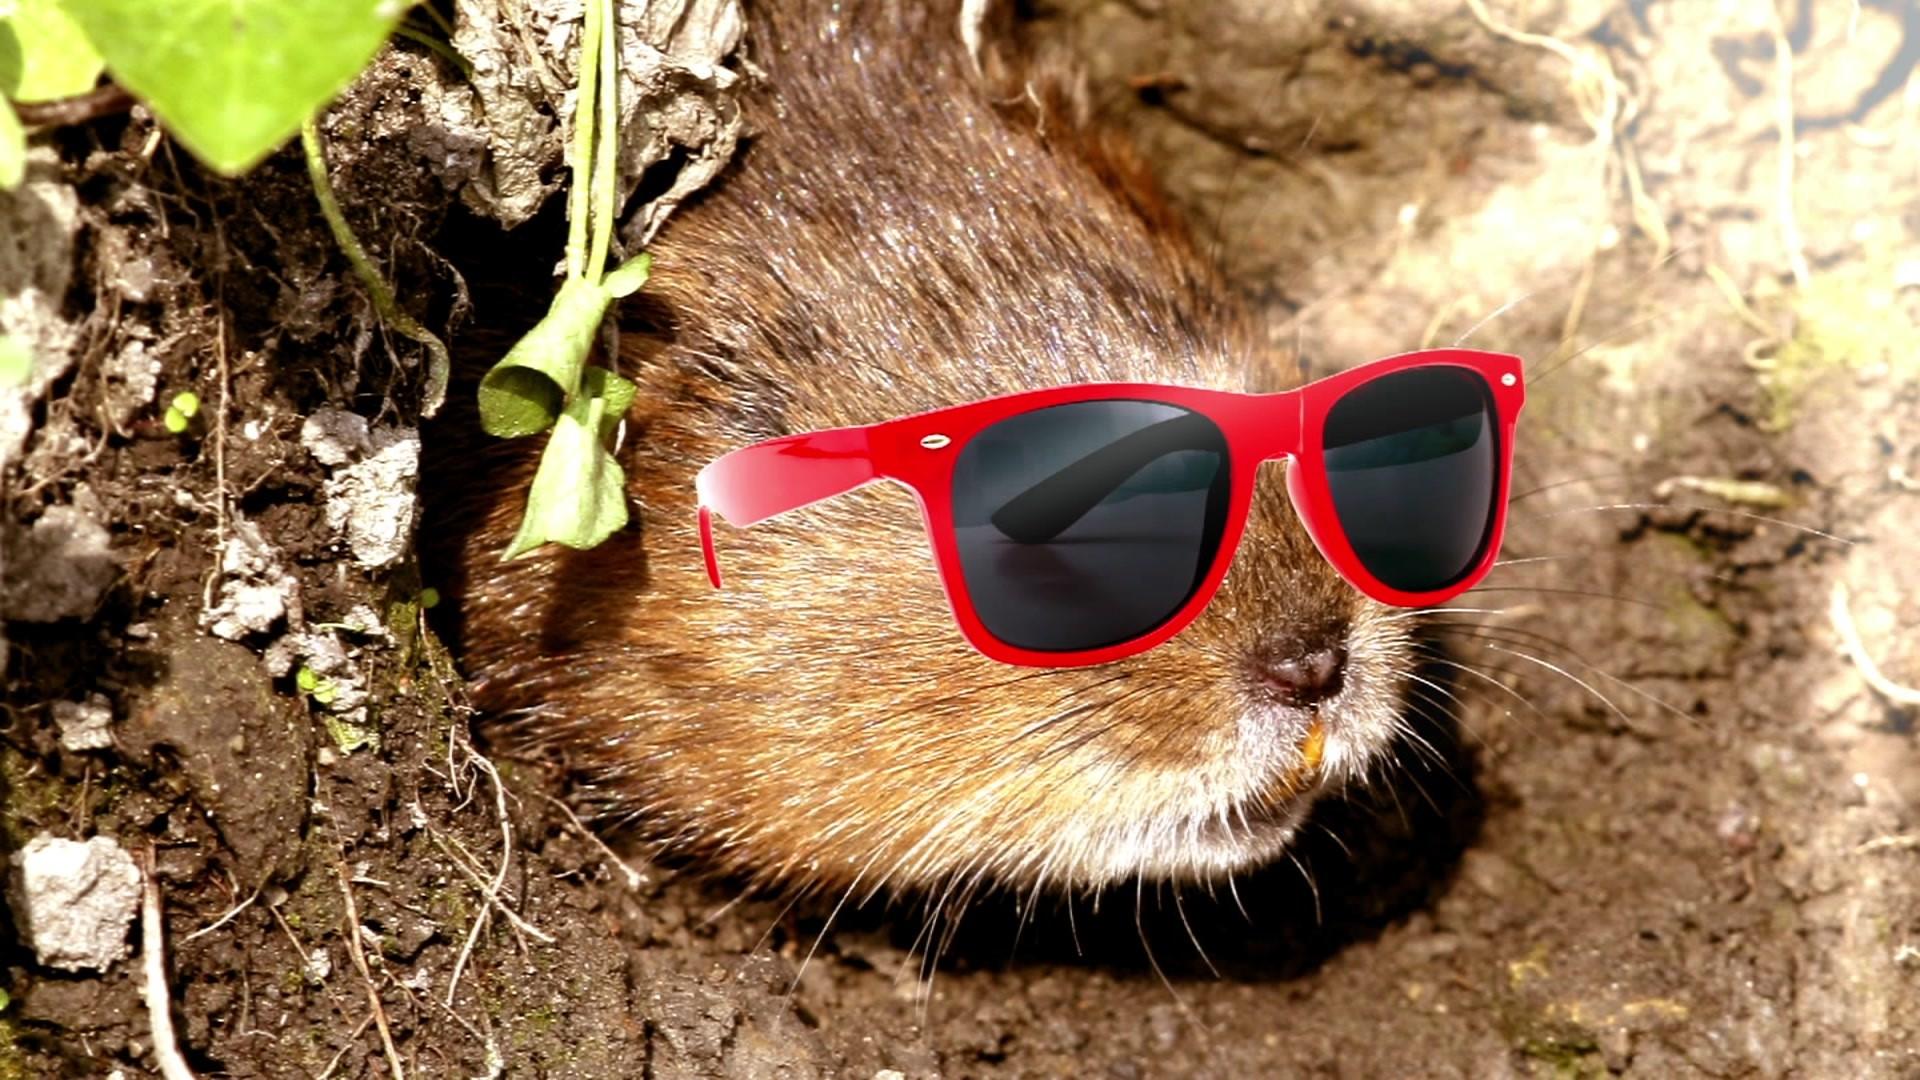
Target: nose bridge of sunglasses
[{"x": 1261, "y": 427}]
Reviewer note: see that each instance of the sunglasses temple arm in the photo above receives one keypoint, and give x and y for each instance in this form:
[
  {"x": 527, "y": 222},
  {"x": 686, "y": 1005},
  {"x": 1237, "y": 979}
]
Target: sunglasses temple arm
[
  {"x": 1050, "y": 507},
  {"x": 706, "y": 546},
  {"x": 768, "y": 478}
]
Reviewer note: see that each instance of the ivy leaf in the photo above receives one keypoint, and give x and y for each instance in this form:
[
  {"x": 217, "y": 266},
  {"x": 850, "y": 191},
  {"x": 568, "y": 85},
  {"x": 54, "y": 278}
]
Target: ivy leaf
[
  {"x": 43, "y": 53},
  {"x": 13, "y": 148},
  {"x": 233, "y": 79},
  {"x": 579, "y": 493}
]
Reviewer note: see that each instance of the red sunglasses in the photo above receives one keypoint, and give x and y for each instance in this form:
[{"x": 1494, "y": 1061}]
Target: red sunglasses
[{"x": 1082, "y": 524}]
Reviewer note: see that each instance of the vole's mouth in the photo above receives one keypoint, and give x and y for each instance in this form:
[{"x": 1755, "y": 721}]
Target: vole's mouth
[
  {"x": 1277, "y": 800},
  {"x": 1257, "y": 827}
]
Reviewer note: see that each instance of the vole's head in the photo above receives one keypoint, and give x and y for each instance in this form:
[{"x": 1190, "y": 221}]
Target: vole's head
[
  {"x": 825, "y": 721},
  {"x": 896, "y": 243}
]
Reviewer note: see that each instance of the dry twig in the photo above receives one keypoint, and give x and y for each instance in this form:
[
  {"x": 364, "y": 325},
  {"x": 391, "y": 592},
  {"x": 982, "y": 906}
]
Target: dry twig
[{"x": 360, "y": 961}]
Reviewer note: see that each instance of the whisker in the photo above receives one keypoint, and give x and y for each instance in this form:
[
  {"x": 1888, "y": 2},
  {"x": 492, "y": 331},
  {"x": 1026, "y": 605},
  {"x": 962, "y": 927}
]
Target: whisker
[
  {"x": 1319, "y": 919},
  {"x": 1521, "y": 634},
  {"x": 1413, "y": 614},
  {"x": 825, "y": 928},
  {"x": 1140, "y": 929},
  {"x": 1567, "y": 481},
  {"x": 1496, "y": 313},
  {"x": 1233, "y": 890},
  {"x": 1701, "y": 509},
  {"x": 1477, "y": 673},
  {"x": 1531, "y": 559},
  {"x": 1425, "y": 749},
  {"x": 1589, "y": 594},
  {"x": 1181, "y": 909},
  {"x": 1565, "y": 674},
  {"x": 1339, "y": 841}
]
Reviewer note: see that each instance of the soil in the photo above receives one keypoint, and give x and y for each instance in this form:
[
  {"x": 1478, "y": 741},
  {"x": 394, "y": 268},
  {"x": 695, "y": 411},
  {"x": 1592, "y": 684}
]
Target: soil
[{"x": 1659, "y": 824}]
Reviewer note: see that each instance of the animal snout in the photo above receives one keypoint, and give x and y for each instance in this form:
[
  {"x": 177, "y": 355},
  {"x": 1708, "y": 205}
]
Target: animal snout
[{"x": 1300, "y": 674}]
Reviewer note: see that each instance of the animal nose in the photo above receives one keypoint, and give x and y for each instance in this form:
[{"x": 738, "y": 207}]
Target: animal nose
[{"x": 1301, "y": 677}]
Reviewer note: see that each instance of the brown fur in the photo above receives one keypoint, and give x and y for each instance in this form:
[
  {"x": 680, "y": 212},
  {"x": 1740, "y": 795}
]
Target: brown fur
[{"x": 899, "y": 238}]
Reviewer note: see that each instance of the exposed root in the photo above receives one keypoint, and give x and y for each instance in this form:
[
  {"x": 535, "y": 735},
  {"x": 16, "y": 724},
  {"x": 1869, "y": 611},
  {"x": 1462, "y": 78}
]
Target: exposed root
[
  {"x": 1841, "y": 614},
  {"x": 635, "y": 879},
  {"x": 352, "y": 1037},
  {"x": 166, "y": 1047},
  {"x": 489, "y": 890},
  {"x": 473, "y": 761},
  {"x": 1596, "y": 90},
  {"x": 232, "y": 914}
]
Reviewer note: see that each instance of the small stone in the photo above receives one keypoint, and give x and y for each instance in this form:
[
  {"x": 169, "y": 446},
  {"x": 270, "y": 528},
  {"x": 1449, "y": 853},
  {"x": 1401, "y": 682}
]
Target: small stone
[
  {"x": 59, "y": 568},
  {"x": 370, "y": 495},
  {"x": 256, "y": 591},
  {"x": 373, "y": 500},
  {"x": 73, "y": 901},
  {"x": 335, "y": 436},
  {"x": 84, "y": 725},
  {"x": 319, "y": 966}
]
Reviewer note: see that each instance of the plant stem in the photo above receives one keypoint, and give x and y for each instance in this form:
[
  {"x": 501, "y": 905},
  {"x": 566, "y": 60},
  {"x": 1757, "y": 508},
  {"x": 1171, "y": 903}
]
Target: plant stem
[
  {"x": 384, "y": 304},
  {"x": 585, "y": 115},
  {"x": 606, "y": 164}
]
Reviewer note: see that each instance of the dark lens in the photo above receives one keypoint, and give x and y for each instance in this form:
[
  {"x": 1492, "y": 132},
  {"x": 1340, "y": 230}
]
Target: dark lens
[
  {"x": 1089, "y": 524},
  {"x": 1411, "y": 460}
]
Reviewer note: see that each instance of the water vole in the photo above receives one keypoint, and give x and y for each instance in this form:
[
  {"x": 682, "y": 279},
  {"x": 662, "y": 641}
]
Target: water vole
[{"x": 905, "y": 233}]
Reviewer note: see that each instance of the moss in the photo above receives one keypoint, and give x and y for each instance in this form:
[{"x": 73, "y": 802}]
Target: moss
[
  {"x": 1577, "y": 1056},
  {"x": 1845, "y": 321},
  {"x": 543, "y": 1019},
  {"x": 13, "y": 1063},
  {"x": 31, "y": 798}
]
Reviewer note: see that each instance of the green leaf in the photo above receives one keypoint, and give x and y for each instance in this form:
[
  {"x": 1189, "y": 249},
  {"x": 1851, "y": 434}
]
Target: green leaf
[
  {"x": 579, "y": 493},
  {"x": 13, "y": 148},
  {"x": 629, "y": 276},
  {"x": 524, "y": 392},
  {"x": 16, "y": 360},
  {"x": 233, "y": 79},
  {"x": 619, "y": 393},
  {"x": 43, "y": 53}
]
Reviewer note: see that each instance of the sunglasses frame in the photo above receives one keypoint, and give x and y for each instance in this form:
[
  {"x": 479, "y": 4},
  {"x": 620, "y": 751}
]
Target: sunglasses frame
[{"x": 765, "y": 479}]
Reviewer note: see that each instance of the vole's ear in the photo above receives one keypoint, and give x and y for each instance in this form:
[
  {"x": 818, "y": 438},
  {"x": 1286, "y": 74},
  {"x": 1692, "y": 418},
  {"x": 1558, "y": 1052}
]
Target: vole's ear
[{"x": 1028, "y": 78}]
